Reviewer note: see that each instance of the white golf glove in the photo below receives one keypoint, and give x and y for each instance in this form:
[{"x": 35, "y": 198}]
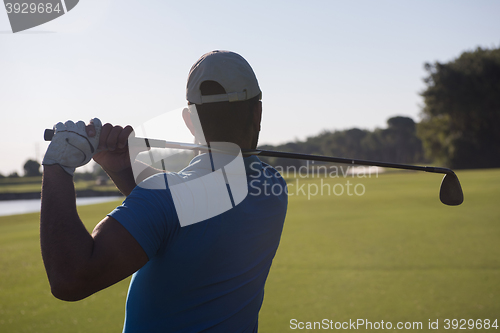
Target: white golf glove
[{"x": 71, "y": 147}]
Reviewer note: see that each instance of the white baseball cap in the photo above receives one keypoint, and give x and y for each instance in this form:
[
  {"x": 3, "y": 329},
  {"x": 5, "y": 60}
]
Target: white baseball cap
[{"x": 227, "y": 68}]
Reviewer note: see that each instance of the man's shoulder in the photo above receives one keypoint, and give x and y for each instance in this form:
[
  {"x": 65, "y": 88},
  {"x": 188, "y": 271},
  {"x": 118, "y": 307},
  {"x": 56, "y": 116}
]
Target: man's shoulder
[{"x": 260, "y": 169}]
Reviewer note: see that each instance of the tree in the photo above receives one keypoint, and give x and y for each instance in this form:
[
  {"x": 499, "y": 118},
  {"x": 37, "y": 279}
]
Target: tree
[
  {"x": 400, "y": 141},
  {"x": 462, "y": 110},
  {"x": 31, "y": 168}
]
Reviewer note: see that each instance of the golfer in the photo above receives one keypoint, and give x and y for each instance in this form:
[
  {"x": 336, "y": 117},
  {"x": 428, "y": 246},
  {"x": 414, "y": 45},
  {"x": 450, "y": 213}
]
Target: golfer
[{"x": 207, "y": 276}]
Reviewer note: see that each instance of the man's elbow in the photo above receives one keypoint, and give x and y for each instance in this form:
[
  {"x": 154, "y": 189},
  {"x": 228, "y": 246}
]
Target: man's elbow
[{"x": 68, "y": 290}]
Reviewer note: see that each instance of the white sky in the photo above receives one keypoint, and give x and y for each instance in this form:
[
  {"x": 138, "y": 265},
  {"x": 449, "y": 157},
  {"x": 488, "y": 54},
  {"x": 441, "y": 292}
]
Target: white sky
[{"x": 320, "y": 64}]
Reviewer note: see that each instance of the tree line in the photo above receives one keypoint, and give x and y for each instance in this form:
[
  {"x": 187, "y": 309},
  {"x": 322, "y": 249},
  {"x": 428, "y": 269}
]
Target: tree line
[
  {"x": 32, "y": 167},
  {"x": 398, "y": 143}
]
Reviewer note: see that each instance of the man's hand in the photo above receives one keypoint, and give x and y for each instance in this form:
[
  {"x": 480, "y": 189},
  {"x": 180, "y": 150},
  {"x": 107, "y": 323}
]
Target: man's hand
[
  {"x": 71, "y": 146},
  {"x": 116, "y": 158},
  {"x": 113, "y": 153}
]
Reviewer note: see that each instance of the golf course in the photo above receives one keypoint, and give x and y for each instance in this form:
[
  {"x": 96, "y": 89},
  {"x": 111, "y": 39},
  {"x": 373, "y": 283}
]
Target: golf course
[{"x": 393, "y": 254}]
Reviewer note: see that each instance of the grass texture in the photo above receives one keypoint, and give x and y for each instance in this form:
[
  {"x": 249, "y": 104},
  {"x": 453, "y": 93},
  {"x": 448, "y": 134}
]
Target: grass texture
[{"x": 395, "y": 253}]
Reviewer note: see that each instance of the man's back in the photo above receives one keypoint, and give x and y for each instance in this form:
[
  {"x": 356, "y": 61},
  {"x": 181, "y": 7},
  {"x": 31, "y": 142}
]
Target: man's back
[{"x": 208, "y": 276}]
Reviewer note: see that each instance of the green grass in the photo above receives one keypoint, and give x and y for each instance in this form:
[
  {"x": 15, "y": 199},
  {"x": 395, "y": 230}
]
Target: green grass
[
  {"x": 34, "y": 184},
  {"x": 20, "y": 180},
  {"x": 394, "y": 254},
  {"x": 26, "y": 304}
]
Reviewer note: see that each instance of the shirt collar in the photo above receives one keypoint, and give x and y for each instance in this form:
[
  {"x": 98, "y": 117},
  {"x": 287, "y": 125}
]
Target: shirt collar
[{"x": 202, "y": 161}]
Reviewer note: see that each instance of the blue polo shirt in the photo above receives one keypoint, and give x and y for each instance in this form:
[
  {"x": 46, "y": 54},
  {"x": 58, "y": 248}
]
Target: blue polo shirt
[{"x": 208, "y": 276}]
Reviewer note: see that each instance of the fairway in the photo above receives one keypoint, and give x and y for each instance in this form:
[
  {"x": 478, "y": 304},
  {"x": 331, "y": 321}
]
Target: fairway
[{"x": 395, "y": 253}]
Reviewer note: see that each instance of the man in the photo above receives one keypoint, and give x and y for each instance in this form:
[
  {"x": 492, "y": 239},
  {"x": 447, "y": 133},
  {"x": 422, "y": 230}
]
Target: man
[{"x": 207, "y": 276}]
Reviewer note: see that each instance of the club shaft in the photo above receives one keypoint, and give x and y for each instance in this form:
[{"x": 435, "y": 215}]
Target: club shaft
[
  {"x": 331, "y": 159},
  {"x": 155, "y": 143}
]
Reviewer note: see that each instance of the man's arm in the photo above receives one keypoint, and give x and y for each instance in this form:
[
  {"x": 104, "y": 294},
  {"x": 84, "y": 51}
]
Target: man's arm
[{"x": 79, "y": 264}]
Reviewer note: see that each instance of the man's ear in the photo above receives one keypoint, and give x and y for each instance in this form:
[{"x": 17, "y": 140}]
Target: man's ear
[
  {"x": 257, "y": 115},
  {"x": 187, "y": 120}
]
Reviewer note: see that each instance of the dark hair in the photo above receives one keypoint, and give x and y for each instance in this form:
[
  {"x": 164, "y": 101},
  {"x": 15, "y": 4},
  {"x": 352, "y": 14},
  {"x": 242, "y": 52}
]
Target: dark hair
[{"x": 225, "y": 121}]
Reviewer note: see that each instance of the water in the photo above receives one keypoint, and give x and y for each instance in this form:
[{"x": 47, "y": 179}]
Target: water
[{"x": 12, "y": 207}]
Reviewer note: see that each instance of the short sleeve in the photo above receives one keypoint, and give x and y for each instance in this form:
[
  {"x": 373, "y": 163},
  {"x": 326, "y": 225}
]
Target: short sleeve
[{"x": 149, "y": 215}]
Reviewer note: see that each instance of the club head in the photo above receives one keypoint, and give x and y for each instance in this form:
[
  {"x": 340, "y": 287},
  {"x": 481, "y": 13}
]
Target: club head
[{"x": 451, "y": 192}]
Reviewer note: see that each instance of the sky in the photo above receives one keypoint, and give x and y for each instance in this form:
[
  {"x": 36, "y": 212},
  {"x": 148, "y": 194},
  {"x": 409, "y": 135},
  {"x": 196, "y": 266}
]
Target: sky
[{"x": 321, "y": 65}]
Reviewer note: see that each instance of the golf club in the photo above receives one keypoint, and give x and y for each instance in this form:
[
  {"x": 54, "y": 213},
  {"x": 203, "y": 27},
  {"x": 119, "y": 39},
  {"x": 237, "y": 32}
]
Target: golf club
[{"x": 450, "y": 192}]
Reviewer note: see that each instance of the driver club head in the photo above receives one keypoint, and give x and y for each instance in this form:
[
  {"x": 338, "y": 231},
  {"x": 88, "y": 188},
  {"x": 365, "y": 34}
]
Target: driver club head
[{"x": 451, "y": 192}]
